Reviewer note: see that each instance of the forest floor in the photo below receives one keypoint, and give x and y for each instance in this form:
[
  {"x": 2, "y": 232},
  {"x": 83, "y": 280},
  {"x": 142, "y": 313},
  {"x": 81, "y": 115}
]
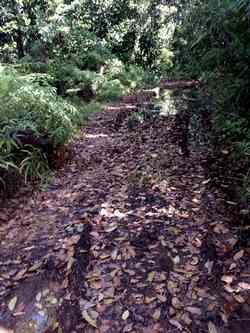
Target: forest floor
[{"x": 129, "y": 237}]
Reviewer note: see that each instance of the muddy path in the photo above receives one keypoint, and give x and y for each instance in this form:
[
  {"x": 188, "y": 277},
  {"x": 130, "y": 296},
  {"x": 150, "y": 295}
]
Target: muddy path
[{"x": 129, "y": 237}]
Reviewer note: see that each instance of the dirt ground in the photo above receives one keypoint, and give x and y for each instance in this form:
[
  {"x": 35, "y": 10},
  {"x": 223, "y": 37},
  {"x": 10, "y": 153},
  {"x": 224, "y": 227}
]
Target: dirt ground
[{"x": 128, "y": 237}]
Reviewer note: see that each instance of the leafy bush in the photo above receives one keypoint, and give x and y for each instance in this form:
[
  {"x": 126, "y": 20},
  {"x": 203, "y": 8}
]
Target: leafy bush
[
  {"x": 34, "y": 164},
  {"x": 31, "y": 106},
  {"x": 212, "y": 43},
  {"x": 35, "y": 108},
  {"x": 68, "y": 76},
  {"x": 131, "y": 76},
  {"x": 111, "y": 90}
]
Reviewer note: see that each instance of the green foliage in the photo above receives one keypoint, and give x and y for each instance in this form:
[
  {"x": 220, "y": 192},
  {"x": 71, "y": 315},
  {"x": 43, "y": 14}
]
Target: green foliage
[
  {"x": 131, "y": 76},
  {"x": 86, "y": 33},
  {"x": 34, "y": 164},
  {"x": 111, "y": 90},
  {"x": 6, "y": 157},
  {"x": 32, "y": 104},
  {"x": 54, "y": 53},
  {"x": 212, "y": 43}
]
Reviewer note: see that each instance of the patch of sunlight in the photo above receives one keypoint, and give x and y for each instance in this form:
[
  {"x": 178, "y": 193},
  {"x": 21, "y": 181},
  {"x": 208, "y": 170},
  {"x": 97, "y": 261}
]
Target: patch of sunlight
[
  {"x": 168, "y": 104},
  {"x": 121, "y": 106},
  {"x": 94, "y": 136},
  {"x": 171, "y": 104}
]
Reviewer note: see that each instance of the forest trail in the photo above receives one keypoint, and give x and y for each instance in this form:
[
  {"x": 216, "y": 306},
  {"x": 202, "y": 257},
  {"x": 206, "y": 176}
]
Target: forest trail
[{"x": 128, "y": 238}]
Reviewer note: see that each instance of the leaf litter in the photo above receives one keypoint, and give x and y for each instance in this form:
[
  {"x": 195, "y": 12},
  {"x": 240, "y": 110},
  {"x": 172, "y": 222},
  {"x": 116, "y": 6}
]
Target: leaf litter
[{"x": 126, "y": 242}]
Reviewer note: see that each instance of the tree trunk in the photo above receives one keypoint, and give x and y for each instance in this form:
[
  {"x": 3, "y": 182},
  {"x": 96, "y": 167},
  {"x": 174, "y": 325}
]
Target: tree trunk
[{"x": 19, "y": 44}]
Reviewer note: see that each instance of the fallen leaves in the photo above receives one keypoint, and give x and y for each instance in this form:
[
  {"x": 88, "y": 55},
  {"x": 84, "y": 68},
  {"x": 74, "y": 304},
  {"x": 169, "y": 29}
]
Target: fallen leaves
[
  {"x": 194, "y": 310},
  {"x": 151, "y": 277},
  {"x": 110, "y": 227},
  {"x": 239, "y": 255},
  {"x": 20, "y": 274},
  {"x": 244, "y": 285},
  {"x": 125, "y": 315},
  {"x": 227, "y": 279},
  {"x": 157, "y": 314},
  {"x": 212, "y": 328},
  {"x": 149, "y": 300},
  {"x": 12, "y": 304},
  {"x": 92, "y": 322},
  {"x": 161, "y": 279}
]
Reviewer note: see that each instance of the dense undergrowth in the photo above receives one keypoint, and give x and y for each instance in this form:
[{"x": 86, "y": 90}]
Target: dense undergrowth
[
  {"x": 61, "y": 61},
  {"x": 212, "y": 44},
  {"x": 41, "y": 112}
]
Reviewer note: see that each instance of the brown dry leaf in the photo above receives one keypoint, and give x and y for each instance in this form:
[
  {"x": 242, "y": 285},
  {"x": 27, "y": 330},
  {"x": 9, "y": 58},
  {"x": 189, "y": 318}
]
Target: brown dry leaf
[
  {"x": 110, "y": 227},
  {"x": 162, "y": 298},
  {"x": 239, "y": 255},
  {"x": 151, "y": 277},
  {"x": 114, "y": 272},
  {"x": 96, "y": 284},
  {"x": 90, "y": 320},
  {"x": 174, "y": 231},
  {"x": 239, "y": 299},
  {"x": 194, "y": 261},
  {"x": 212, "y": 328},
  {"x": 125, "y": 315},
  {"x": 157, "y": 314},
  {"x": 229, "y": 289},
  {"x": 108, "y": 301},
  {"x": 114, "y": 254},
  {"x": 118, "y": 214},
  {"x": 194, "y": 310},
  {"x": 35, "y": 267},
  {"x": 20, "y": 274},
  {"x": 109, "y": 293},
  {"x": 220, "y": 229},
  {"x": 232, "y": 266},
  {"x": 12, "y": 303},
  {"x": 149, "y": 300},
  {"x": 227, "y": 279},
  {"x": 175, "y": 323},
  {"x": 244, "y": 285},
  {"x": 70, "y": 263},
  {"x": 104, "y": 256}
]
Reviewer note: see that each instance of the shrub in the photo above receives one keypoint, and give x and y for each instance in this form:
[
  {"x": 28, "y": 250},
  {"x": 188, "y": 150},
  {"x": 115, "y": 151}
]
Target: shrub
[
  {"x": 36, "y": 109},
  {"x": 111, "y": 90}
]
